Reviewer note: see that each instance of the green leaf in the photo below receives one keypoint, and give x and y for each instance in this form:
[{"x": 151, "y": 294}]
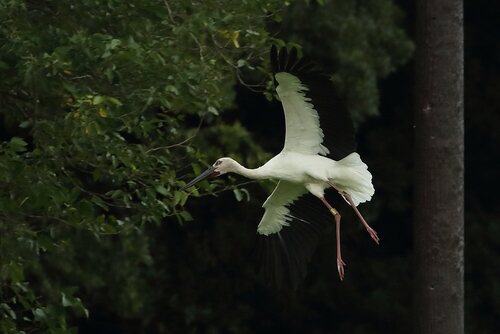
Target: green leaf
[
  {"x": 45, "y": 242},
  {"x": 177, "y": 197},
  {"x": 25, "y": 124},
  {"x": 115, "y": 101},
  {"x": 241, "y": 62},
  {"x": 172, "y": 89},
  {"x": 238, "y": 194},
  {"x": 99, "y": 202},
  {"x": 98, "y": 99},
  {"x": 213, "y": 110},
  {"x": 7, "y": 309},
  {"x": 39, "y": 314},
  {"x": 196, "y": 168},
  {"x": 65, "y": 301},
  {"x": 186, "y": 216},
  {"x": 17, "y": 144},
  {"x": 114, "y": 43},
  {"x": 241, "y": 193},
  {"x": 162, "y": 190}
]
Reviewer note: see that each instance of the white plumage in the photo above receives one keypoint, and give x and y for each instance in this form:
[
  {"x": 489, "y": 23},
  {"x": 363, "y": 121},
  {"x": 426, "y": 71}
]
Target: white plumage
[
  {"x": 303, "y": 133},
  {"x": 302, "y": 167},
  {"x": 307, "y": 172}
]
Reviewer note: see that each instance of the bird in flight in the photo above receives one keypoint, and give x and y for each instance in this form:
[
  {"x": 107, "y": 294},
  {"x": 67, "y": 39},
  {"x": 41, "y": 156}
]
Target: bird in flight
[{"x": 319, "y": 155}]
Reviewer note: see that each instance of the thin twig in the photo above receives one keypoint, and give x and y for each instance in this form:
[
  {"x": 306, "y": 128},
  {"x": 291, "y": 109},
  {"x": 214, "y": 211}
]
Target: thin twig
[
  {"x": 199, "y": 46},
  {"x": 82, "y": 77},
  {"x": 178, "y": 144},
  {"x": 228, "y": 188},
  {"x": 250, "y": 86},
  {"x": 169, "y": 11}
]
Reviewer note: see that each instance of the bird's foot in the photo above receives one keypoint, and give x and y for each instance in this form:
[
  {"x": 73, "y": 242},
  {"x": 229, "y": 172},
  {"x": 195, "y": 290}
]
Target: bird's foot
[
  {"x": 340, "y": 267},
  {"x": 373, "y": 234}
]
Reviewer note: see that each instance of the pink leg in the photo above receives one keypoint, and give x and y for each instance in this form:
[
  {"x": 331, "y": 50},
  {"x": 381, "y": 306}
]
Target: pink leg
[
  {"x": 336, "y": 215},
  {"x": 371, "y": 231}
]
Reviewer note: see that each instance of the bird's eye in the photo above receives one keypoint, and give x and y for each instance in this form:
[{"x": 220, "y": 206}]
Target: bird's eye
[{"x": 218, "y": 162}]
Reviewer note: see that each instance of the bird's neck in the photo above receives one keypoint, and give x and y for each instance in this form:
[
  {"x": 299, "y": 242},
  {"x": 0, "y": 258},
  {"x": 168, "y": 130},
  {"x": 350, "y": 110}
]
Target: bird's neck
[{"x": 249, "y": 173}]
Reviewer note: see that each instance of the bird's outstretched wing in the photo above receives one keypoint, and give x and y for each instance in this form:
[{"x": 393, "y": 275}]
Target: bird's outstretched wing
[
  {"x": 317, "y": 122},
  {"x": 277, "y": 213},
  {"x": 290, "y": 229}
]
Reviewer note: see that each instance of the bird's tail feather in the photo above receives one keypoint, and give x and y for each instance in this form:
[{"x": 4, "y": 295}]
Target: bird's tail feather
[{"x": 356, "y": 180}]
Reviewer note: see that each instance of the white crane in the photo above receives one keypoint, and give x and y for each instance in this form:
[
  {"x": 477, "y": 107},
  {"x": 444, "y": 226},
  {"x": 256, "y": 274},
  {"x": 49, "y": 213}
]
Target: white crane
[{"x": 312, "y": 161}]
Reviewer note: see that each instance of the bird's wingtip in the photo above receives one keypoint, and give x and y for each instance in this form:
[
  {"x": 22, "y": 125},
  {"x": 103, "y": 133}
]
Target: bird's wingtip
[{"x": 288, "y": 60}]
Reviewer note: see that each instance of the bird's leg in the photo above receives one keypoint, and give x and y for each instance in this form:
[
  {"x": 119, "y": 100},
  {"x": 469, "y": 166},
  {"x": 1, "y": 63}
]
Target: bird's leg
[
  {"x": 373, "y": 234},
  {"x": 336, "y": 215}
]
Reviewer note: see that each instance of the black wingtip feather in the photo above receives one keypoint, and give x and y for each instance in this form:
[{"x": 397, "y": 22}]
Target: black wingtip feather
[
  {"x": 274, "y": 58},
  {"x": 284, "y": 60},
  {"x": 292, "y": 59}
]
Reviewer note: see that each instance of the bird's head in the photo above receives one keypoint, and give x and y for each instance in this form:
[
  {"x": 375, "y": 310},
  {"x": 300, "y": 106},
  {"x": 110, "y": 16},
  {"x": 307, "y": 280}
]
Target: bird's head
[
  {"x": 221, "y": 166},
  {"x": 225, "y": 165}
]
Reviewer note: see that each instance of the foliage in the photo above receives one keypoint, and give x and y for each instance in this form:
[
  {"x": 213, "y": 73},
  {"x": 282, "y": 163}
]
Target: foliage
[
  {"x": 99, "y": 103},
  {"x": 359, "y": 42}
]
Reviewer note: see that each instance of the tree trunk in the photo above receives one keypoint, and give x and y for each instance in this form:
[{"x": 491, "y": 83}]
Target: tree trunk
[{"x": 439, "y": 169}]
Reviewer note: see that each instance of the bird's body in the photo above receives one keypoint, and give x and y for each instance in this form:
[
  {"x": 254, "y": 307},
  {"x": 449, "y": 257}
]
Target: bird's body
[
  {"x": 308, "y": 165},
  {"x": 314, "y": 171},
  {"x": 299, "y": 168},
  {"x": 350, "y": 173}
]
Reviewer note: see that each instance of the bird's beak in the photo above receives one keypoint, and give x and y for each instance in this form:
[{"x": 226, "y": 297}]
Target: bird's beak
[{"x": 210, "y": 172}]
